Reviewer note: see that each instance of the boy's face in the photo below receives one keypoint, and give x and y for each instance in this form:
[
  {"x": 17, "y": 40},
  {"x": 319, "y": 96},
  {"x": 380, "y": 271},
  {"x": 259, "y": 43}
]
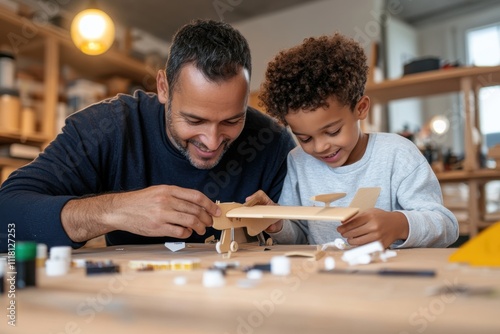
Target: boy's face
[
  {"x": 205, "y": 117},
  {"x": 331, "y": 135}
]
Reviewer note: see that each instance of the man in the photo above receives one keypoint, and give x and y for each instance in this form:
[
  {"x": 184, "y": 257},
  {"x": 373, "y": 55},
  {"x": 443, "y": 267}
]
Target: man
[{"x": 147, "y": 168}]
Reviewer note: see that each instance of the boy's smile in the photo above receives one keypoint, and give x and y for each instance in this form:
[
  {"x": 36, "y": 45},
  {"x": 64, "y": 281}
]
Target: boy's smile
[
  {"x": 332, "y": 157},
  {"x": 332, "y": 134}
]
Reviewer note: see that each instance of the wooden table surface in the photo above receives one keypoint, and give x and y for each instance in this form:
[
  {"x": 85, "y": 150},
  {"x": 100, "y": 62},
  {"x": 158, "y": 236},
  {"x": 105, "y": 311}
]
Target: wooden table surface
[{"x": 306, "y": 301}]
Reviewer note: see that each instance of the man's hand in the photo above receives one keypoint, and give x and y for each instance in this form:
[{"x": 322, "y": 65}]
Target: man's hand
[
  {"x": 154, "y": 211},
  {"x": 261, "y": 198},
  {"x": 375, "y": 224}
]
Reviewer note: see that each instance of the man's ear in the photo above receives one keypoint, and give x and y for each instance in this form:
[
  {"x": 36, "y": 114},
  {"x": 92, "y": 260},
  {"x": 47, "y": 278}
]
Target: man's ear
[
  {"x": 362, "y": 107},
  {"x": 162, "y": 86}
]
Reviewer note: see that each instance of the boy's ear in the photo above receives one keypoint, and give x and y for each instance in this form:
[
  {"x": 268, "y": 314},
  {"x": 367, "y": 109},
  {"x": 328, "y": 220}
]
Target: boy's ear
[
  {"x": 162, "y": 86},
  {"x": 362, "y": 107}
]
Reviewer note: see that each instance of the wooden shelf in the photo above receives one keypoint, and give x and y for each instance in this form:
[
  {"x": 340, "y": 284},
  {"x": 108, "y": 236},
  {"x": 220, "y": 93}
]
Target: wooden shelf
[
  {"x": 27, "y": 38},
  {"x": 12, "y": 162},
  {"x": 464, "y": 80},
  {"x": 463, "y": 176},
  {"x": 13, "y": 137},
  {"x": 51, "y": 47},
  {"x": 432, "y": 83},
  {"x": 476, "y": 217}
]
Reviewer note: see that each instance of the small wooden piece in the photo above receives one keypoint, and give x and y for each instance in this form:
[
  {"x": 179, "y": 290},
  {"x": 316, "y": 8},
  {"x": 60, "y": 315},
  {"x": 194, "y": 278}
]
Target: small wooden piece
[
  {"x": 365, "y": 198},
  {"x": 227, "y": 242},
  {"x": 328, "y": 198},
  {"x": 313, "y": 255}
]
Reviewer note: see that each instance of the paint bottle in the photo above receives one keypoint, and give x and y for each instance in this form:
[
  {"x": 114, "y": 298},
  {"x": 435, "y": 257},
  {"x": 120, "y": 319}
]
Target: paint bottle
[
  {"x": 25, "y": 264},
  {"x": 41, "y": 255},
  {"x": 28, "y": 121},
  {"x": 10, "y": 107}
]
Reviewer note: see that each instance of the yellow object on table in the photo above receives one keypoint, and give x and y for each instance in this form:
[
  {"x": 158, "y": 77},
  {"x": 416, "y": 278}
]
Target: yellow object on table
[{"x": 483, "y": 250}]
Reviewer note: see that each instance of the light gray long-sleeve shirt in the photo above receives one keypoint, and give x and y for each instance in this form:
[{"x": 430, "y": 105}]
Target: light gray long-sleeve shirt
[{"x": 395, "y": 164}]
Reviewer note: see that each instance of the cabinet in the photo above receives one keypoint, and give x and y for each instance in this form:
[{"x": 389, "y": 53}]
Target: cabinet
[
  {"x": 467, "y": 81},
  {"x": 40, "y": 41}
]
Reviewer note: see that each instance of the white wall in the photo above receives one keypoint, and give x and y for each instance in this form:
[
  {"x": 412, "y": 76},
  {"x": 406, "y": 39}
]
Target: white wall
[
  {"x": 402, "y": 46},
  {"x": 269, "y": 34},
  {"x": 446, "y": 38}
]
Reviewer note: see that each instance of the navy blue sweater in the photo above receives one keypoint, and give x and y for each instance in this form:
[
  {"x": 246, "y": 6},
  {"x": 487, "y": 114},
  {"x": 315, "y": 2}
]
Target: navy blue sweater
[{"x": 121, "y": 144}]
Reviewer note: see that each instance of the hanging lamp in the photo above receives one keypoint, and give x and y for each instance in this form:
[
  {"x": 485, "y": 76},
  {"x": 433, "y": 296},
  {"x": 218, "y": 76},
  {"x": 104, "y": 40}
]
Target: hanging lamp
[{"x": 92, "y": 31}]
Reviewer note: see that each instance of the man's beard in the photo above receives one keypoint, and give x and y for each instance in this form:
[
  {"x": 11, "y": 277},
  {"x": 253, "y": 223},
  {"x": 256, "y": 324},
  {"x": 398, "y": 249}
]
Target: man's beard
[
  {"x": 204, "y": 164},
  {"x": 182, "y": 146}
]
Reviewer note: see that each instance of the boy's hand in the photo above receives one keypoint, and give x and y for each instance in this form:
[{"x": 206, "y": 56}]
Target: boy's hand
[
  {"x": 375, "y": 224},
  {"x": 261, "y": 198}
]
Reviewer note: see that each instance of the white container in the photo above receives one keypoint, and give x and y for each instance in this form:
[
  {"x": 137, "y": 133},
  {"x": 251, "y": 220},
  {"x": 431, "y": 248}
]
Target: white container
[
  {"x": 56, "y": 267},
  {"x": 61, "y": 252},
  {"x": 213, "y": 278},
  {"x": 280, "y": 266},
  {"x": 7, "y": 70}
]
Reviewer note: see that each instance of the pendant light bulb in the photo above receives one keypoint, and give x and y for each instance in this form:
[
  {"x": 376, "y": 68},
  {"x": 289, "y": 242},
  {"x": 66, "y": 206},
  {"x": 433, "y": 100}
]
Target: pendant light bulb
[
  {"x": 439, "y": 125},
  {"x": 92, "y": 31}
]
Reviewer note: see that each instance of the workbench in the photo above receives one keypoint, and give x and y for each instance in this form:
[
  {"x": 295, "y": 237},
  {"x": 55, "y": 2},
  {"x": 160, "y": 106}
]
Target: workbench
[{"x": 306, "y": 301}]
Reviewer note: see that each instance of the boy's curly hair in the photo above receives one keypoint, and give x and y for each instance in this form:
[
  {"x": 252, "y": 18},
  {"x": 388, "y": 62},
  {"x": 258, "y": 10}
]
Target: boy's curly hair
[{"x": 305, "y": 76}]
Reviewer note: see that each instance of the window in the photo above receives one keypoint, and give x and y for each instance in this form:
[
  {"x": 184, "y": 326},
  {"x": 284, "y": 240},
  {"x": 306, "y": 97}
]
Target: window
[
  {"x": 483, "y": 49},
  {"x": 483, "y": 46}
]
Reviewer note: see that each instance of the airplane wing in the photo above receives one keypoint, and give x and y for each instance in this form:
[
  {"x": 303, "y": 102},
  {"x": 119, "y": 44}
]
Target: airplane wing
[
  {"x": 293, "y": 212},
  {"x": 257, "y": 218}
]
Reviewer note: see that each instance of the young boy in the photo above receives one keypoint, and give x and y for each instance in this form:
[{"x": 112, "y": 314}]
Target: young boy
[{"x": 317, "y": 88}]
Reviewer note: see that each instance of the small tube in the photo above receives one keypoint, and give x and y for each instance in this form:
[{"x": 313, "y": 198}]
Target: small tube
[{"x": 25, "y": 260}]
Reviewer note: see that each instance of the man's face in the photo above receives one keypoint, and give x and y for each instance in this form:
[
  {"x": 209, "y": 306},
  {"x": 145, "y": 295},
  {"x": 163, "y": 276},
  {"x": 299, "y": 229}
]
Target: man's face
[{"x": 204, "y": 117}]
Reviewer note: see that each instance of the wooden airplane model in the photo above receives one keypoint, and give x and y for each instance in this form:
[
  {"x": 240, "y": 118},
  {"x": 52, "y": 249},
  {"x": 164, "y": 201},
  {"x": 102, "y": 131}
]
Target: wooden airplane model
[{"x": 259, "y": 217}]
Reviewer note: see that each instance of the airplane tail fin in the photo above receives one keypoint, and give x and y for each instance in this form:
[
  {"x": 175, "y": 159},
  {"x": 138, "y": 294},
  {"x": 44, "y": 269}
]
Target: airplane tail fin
[{"x": 365, "y": 198}]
